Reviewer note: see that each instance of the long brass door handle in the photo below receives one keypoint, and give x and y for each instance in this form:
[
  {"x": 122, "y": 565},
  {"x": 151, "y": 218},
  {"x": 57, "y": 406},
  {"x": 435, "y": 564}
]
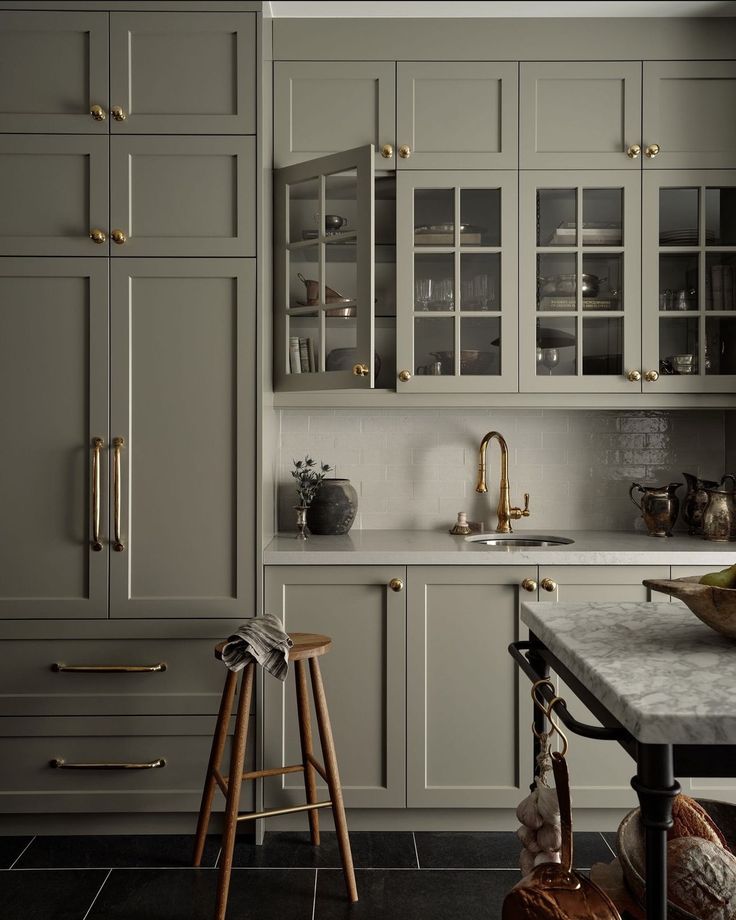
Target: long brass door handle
[
  {"x": 58, "y": 667},
  {"x": 117, "y": 444},
  {"x": 58, "y": 763},
  {"x": 97, "y": 444}
]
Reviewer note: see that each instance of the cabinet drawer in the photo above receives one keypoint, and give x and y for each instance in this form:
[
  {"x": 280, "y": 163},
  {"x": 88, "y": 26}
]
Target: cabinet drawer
[{"x": 178, "y": 745}]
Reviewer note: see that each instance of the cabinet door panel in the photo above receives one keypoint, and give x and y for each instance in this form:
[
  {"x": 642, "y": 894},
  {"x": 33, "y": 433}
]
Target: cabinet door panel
[
  {"x": 53, "y": 68},
  {"x": 457, "y": 115},
  {"x": 465, "y": 745},
  {"x": 53, "y": 374},
  {"x": 182, "y": 399},
  {"x": 184, "y": 196},
  {"x": 188, "y": 73},
  {"x": 685, "y": 113},
  {"x": 325, "y": 107},
  {"x": 364, "y": 675},
  {"x": 54, "y": 191},
  {"x": 579, "y": 115}
]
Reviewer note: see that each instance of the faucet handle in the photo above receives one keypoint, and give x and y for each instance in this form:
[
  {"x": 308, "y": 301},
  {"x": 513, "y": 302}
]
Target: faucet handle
[
  {"x": 526, "y": 512},
  {"x": 517, "y": 513}
]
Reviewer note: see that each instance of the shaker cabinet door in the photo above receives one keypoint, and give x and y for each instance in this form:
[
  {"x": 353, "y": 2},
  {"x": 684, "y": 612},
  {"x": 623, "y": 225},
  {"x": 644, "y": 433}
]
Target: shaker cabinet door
[
  {"x": 456, "y": 115},
  {"x": 53, "y": 70},
  {"x": 182, "y": 398},
  {"x": 53, "y": 377}
]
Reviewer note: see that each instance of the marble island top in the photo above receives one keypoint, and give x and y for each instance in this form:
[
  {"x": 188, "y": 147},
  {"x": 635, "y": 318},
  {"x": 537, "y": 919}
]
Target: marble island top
[
  {"x": 666, "y": 677},
  {"x": 416, "y": 547}
]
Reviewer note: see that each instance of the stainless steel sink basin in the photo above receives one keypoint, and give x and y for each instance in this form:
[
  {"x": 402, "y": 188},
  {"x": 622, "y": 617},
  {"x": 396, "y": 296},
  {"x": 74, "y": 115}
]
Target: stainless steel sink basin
[{"x": 517, "y": 539}]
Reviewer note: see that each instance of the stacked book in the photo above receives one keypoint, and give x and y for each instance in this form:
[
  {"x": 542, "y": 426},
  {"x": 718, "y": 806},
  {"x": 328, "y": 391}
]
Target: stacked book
[
  {"x": 301, "y": 355},
  {"x": 722, "y": 287}
]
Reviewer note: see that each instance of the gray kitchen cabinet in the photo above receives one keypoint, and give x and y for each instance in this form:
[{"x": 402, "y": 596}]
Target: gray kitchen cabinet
[
  {"x": 182, "y": 414},
  {"x": 580, "y": 115},
  {"x": 579, "y": 271},
  {"x": 456, "y": 257},
  {"x": 456, "y": 115},
  {"x": 323, "y": 107},
  {"x": 364, "y": 674},
  {"x": 55, "y": 193},
  {"x": 688, "y": 107},
  {"x": 183, "y": 196},
  {"x": 54, "y": 377},
  {"x": 466, "y": 746},
  {"x": 53, "y": 70},
  {"x": 182, "y": 73}
]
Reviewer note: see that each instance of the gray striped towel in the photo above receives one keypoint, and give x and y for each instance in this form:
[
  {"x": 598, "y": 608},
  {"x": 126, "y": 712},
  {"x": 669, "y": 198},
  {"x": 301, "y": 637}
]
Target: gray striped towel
[{"x": 262, "y": 640}]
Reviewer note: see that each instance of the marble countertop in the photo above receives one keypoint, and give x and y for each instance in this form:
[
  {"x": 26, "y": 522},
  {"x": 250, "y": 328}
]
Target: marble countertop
[
  {"x": 414, "y": 547},
  {"x": 663, "y": 674}
]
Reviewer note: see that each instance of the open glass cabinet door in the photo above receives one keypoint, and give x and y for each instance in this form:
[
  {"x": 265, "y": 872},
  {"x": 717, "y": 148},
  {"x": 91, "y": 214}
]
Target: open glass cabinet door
[{"x": 324, "y": 273}]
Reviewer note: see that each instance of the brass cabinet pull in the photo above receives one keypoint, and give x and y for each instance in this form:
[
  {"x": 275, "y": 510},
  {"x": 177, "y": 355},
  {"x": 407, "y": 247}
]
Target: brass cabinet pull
[
  {"x": 59, "y": 668},
  {"x": 97, "y": 236},
  {"x": 118, "y": 113},
  {"x": 387, "y": 151},
  {"x": 652, "y": 151},
  {"x": 549, "y": 584},
  {"x": 361, "y": 370},
  {"x": 118, "y": 236},
  {"x": 633, "y": 151},
  {"x": 117, "y": 444},
  {"x": 529, "y": 584},
  {"x": 97, "y": 444},
  {"x": 58, "y": 763},
  {"x": 396, "y": 584},
  {"x": 404, "y": 376},
  {"x": 405, "y": 151},
  {"x": 651, "y": 376},
  {"x": 98, "y": 113},
  {"x": 633, "y": 376}
]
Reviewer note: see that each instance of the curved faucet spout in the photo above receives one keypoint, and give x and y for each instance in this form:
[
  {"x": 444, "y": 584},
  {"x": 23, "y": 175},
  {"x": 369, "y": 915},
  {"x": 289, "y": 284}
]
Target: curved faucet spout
[{"x": 505, "y": 512}]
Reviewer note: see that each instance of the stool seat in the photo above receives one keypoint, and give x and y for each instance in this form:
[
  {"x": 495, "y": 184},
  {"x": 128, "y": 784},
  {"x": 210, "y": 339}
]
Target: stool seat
[{"x": 306, "y": 645}]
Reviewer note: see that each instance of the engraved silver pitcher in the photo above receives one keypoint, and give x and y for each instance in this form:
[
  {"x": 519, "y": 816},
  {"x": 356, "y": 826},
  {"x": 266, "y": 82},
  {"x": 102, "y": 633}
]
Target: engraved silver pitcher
[{"x": 719, "y": 517}]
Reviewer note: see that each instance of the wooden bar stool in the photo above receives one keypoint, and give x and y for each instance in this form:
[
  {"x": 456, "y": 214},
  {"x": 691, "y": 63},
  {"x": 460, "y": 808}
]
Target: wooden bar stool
[{"x": 307, "y": 646}]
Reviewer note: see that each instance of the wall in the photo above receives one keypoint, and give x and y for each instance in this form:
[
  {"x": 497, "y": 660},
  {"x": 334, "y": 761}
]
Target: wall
[{"x": 416, "y": 469}]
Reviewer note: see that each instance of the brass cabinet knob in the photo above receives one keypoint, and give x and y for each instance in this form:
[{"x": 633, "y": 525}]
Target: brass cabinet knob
[
  {"x": 633, "y": 376},
  {"x": 118, "y": 236},
  {"x": 387, "y": 151},
  {"x": 633, "y": 151},
  {"x": 549, "y": 584},
  {"x": 97, "y": 112},
  {"x": 404, "y": 376},
  {"x": 97, "y": 235},
  {"x": 118, "y": 113},
  {"x": 529, "y": 584},
  {"x": 361, "y": 370},
  {"x": 651, "y": 376},
  {"x": 652, "y": 151},
  {"x": 396, "y": 584},
  {"x": 405, "y": 151}
]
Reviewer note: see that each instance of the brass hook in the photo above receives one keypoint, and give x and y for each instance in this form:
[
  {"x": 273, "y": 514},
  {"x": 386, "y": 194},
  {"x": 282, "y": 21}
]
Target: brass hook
[
  {"x": 548, "y": 711},
  {"x": 555, "y": 726}
]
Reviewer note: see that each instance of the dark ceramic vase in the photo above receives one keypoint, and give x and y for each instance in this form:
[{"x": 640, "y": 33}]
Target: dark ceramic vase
[{"x": 333, "y": 509}]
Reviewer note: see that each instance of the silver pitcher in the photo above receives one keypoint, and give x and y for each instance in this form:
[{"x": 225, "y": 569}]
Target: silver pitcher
[
  {"x": 719, "y": 517},
  {"x": 659, "y": 507}
]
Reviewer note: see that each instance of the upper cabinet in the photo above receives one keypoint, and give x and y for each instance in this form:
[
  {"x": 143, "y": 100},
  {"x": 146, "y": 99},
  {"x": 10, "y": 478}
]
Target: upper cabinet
[
  {"x": 580, "y": 115},
  {"x": 454, "y": 115},
  {"x": 689, "y": 114}
]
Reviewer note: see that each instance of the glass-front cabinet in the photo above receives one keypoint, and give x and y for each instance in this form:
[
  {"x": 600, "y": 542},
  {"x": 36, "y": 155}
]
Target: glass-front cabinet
[
  {"x": 689, "y": 282},
  {"x": 455, "y": 273},
  {"x": 580, "y": 307}
]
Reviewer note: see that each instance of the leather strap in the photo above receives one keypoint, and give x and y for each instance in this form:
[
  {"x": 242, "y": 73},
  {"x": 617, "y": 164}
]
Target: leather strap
[{"x": 562, "y": 785}]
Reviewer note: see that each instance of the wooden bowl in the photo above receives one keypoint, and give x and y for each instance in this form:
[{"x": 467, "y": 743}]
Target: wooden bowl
[
  {"x": 716, "y": 607},
  {"x": 630, "y": 845}
]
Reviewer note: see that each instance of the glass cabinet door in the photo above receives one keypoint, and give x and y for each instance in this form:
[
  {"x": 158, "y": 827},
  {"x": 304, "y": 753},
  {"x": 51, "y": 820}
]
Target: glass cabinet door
[
  {"x": 456, "y": 265},
  {"x": 580, "y": 305},
  {"x": 324, "y": 274},
  {"x": 689, "y": 282}
]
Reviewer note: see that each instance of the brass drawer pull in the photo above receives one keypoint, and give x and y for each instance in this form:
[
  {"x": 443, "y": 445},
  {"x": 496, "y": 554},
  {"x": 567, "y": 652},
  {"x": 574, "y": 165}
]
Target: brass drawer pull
[
  {"x": 549, "y": 584},
  {"x": 58, "y": 667},
  {"x": 396, "y": 584},
  {"x": 58, "y": 763},
  {"x": 97, "y": 112},
  {"x": 97, "y": 444},
  {"x": 529, "y": 584},
  {"x": 118, "y": 113},
  {"x": 387, "y": 151}
]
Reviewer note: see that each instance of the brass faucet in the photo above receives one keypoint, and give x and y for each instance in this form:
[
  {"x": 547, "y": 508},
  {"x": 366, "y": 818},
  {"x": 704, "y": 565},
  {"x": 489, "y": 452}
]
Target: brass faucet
[{"x": 505, "y": 512}]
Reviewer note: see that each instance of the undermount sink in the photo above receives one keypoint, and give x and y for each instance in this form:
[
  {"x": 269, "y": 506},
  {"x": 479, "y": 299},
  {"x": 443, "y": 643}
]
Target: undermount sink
[{"x": 517, "y": 539}]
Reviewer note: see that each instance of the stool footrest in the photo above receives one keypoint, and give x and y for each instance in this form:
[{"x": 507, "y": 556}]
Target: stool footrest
[{"x": 292, "y": 809}]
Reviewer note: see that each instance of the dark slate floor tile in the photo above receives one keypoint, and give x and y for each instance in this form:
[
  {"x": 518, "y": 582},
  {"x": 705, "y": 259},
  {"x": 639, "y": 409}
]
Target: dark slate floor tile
[
  {"x": 414, "y": 895},
  {"x": 610, "y": 840},
  {"x": 494, "y": 850},
  {"x": 11, "y": 848},
  {"x": 38, "y": 895},
  {"x": 589, "y": 849},
  {"x": 117, "y": 851},
  {"x": 292, "y": 850},
  {"x": 189, "y": 894}
]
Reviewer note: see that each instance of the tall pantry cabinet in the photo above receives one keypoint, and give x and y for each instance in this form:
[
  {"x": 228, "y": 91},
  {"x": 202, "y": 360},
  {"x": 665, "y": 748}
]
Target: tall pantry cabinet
[{"x": 127, "y": 382}]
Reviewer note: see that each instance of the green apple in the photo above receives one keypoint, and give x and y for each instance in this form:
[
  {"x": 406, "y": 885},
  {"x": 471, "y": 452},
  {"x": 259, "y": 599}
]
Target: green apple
[{"x": 726, "y": 578}]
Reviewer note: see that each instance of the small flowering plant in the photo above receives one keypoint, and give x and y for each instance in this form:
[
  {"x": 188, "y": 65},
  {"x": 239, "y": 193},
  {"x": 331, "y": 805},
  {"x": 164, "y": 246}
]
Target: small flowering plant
[{"x": 308, "y": 477}]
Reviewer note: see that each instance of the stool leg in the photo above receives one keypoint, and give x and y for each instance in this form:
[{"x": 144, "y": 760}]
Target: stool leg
[
  {"x": 333, "y": 778},
  {"x": 234, "y": 783},
  {"x": 305, "y": 737},
  {"x": 218, "y": 746}
]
